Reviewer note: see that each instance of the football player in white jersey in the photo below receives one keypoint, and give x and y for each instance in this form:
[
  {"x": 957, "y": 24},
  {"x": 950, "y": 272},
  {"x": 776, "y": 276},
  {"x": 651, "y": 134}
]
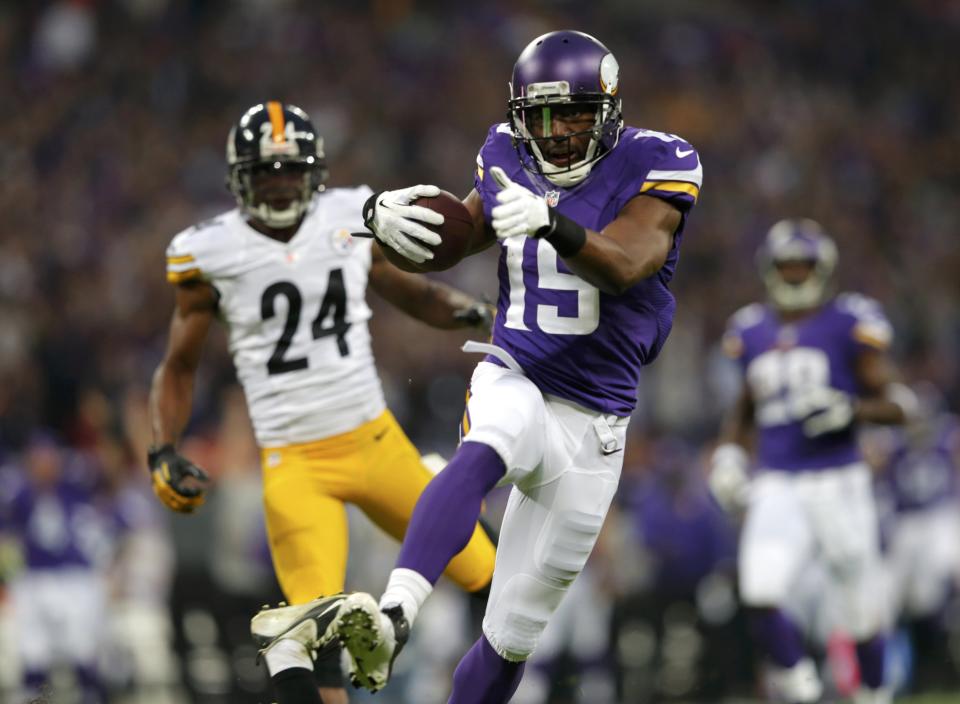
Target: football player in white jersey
[{"x": 285, "y": 275}]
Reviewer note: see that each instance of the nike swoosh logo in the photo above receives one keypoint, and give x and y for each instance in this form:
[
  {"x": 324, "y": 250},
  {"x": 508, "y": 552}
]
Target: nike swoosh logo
[
  {"x": 330, "y": 608},
  {"x": 681, "y": 153},
  {"x": 380, "y": 434}
]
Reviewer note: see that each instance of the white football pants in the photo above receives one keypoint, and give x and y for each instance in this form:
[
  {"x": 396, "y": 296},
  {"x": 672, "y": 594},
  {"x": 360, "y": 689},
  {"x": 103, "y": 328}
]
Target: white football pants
[
  {"x": 828, "y": 515},
  {"x": 924, "y": 559},
  {"x": 564, "y": 462}
]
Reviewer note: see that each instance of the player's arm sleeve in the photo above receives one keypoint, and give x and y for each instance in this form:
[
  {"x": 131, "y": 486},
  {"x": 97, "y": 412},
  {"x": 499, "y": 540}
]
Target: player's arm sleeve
[
  {"x": 733, "y": 342},
  {"x": 482, "y": 182},
  {"x": 673, "y": 173},
  {"x": 870, "y": 329},
  {"x": 185, "y": 259}
]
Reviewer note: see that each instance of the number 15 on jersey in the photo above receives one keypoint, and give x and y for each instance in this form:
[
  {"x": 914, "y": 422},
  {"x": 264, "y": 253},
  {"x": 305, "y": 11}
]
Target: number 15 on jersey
[{"x": 547, "y": 282}]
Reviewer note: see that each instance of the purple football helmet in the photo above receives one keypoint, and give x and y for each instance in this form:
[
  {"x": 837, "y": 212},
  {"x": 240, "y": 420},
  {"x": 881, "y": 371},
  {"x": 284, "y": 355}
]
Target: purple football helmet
[
  {"x": 556, "y": 70},
  {"x": 801, "y": 240}
]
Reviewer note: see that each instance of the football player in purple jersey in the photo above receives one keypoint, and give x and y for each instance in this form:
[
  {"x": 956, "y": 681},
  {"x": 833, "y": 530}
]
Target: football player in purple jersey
[
  {"x": 815, "y": 366},
  {"x": 588, "y": 215},
  {"x": 52, "y": 504},
  {"x": 918, "y": 476}
]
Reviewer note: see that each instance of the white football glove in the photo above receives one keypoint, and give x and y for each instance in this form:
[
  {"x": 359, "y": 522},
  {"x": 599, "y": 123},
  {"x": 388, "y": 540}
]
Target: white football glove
[
  {"x": 729, "y": 478},
  {"x": 520, "y": 212},
  {"x": 394, "y": 222},
  {"x": 831, "y": 411}
]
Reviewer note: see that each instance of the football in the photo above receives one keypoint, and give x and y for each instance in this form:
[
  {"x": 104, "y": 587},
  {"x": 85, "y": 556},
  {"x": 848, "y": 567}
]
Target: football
[{"x": 456, "y": 231}]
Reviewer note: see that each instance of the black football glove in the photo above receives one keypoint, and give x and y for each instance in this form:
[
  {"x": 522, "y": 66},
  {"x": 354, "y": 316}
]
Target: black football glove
[
  {"x": 169, "y": 473},
  {"x": 477, "y": 315}
]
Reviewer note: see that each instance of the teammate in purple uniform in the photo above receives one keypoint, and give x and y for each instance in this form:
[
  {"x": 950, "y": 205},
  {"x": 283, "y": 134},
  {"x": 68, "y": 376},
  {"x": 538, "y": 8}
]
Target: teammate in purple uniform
[
  {"x": 588, "y": 215},
  {"x": 54, "y": 508},
  {"x": 919, "y": 467},
  {"x": 814, "y": 367}
]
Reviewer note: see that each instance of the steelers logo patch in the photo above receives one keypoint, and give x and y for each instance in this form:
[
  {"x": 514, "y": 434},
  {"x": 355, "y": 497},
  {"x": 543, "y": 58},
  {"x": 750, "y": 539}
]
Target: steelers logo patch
[{"x": 342, "y": 240}]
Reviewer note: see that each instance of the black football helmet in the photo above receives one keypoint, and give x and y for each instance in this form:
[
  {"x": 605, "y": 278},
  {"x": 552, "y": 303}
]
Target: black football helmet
[{"x": 270, "y": 137}]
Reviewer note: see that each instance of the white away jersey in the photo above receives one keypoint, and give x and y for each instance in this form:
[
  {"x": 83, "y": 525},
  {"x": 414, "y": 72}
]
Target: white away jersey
[{"x": 297, "y": 316}]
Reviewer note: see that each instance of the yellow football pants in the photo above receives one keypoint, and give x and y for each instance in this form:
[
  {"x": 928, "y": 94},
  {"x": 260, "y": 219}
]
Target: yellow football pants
[{"x": 374, "y": 467}]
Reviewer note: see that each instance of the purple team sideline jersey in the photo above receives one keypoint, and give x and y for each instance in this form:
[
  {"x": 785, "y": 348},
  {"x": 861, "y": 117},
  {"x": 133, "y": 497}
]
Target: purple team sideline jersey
[
  {"x": 785, "y": 363},
  {"x": 572, "y": 340},
  {"x": 66, "y": 525},
  {"x": 923, "y": 473}
]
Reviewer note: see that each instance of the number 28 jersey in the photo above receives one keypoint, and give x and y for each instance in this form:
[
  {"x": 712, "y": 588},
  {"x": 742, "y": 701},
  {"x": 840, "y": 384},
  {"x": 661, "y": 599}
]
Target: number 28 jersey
[
  {"x": 296, "y": 315},
  {"x": 787, "y": 364},
  {"x": 571, "y": 339}
]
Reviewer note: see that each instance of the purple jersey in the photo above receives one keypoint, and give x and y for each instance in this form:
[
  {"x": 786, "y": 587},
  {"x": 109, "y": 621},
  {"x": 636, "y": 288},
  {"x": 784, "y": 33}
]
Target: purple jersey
[
  {"x": 64, "y": 525},
  {"x": 922, "y": 472},
  {"x": 685, "y": 532},
  {"x": 785, "y": 364},
  {"x": 572, "y": 340}
]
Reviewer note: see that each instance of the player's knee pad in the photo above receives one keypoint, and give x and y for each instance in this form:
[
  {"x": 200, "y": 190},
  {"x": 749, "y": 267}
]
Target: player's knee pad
[
  {"x": 766, "y": 576},
  {"x": 564, "y": 545},
  {"x": 513, "y": 624},
  {"x": 576, "y": 515}
]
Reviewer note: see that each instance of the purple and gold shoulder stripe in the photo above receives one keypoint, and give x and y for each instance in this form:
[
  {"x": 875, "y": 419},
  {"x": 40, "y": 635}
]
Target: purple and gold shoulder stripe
[
  {"x": 870, "y": 324},
  {"x": 681, "y": 183},
  {"x": 744, "y": 319}
]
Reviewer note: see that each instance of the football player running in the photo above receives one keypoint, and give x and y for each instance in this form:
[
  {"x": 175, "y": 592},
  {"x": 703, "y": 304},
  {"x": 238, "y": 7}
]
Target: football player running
[
  {"x": 814, "y": 366},
  {"x": 282, "y": 271},
  {"x": 588, "y": 215}
]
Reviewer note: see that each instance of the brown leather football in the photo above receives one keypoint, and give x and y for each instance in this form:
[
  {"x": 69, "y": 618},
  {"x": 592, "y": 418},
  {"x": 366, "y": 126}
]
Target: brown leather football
[{"x": 456, "y": 231}]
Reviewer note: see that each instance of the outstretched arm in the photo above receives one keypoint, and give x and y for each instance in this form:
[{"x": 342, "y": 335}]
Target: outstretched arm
[
  {"x": 177, "y": 482},
  {"x": 171, "y": 394},
  {"x": 425, "y": 299}
]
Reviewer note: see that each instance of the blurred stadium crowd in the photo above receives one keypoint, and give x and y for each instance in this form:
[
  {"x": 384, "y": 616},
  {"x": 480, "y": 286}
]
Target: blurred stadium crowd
[{"x": 111, "y": 141}]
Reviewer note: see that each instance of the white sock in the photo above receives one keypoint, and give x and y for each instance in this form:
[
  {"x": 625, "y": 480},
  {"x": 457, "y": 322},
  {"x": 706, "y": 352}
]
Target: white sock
[
  {"x": 407, "y": 588},
  {"x": 287, "y": 654},
  {"x": 800, "y": 683},
  {"x": 865, "y": 695}
]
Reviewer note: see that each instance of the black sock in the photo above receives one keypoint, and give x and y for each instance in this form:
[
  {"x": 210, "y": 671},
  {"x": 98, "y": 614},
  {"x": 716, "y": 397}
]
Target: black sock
[{"x": 296, "y": 686}]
